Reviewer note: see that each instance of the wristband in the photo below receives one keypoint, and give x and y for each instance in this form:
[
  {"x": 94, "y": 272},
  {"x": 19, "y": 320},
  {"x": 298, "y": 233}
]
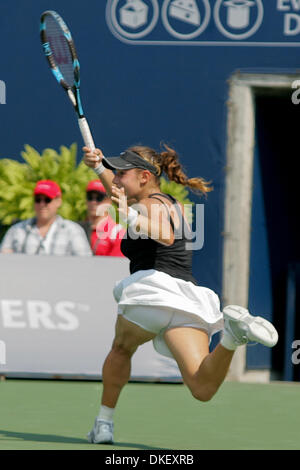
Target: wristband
[
  {"x": 99, "y": 169},
  {"x": 132, "y": 216}
]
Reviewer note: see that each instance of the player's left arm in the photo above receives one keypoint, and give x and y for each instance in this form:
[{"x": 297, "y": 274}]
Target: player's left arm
[{"x": 150, "y": 218}]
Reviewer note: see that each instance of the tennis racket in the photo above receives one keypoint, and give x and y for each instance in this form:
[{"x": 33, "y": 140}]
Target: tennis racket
[{"x": 61, "y": 55}]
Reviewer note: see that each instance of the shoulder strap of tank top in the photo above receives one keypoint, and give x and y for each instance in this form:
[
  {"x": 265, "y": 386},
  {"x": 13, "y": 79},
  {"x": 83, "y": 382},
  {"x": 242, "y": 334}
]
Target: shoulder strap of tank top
[
  {"x": 175, "y": 204},
  {"x": 167, "y": 196},
  {"x": 177, "y": 208},
  {"x": 154, "y": 196},
  {"x": 171, "y": 199}
]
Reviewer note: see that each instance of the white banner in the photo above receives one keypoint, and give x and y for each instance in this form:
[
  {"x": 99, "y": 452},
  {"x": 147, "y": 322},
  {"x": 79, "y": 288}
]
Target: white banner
[{"x": 57, "y": 317}]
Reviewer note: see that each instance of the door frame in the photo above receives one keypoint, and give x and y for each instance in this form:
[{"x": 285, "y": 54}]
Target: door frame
[{"x": 238, "y": 197}]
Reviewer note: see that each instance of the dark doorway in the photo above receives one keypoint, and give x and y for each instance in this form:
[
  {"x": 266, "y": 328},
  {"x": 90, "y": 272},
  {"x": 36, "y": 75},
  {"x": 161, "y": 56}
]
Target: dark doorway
[{"x": 274, "y": 235}]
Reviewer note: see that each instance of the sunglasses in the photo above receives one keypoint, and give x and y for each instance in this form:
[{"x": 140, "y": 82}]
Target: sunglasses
[
  {"x": 39, "y": 199},
  {"x": 99, "y": 197}
]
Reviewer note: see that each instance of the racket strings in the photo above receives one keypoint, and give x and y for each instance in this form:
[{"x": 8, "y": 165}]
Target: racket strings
[{"x": 60, "y": 50}]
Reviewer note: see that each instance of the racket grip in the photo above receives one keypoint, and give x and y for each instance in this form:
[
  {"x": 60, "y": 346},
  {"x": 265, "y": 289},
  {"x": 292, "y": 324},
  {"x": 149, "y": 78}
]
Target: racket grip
[{"x": 86, "y": 133}]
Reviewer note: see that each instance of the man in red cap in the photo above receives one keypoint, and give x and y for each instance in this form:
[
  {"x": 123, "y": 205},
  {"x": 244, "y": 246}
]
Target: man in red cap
[
  {"x": 104, "y": 234},
  {"x": 47, "y": 233}
]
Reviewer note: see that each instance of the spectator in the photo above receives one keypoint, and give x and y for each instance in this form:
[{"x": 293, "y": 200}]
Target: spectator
[
  {"x": 103, "y": 233},
  {"x": 47, "y": 233}
]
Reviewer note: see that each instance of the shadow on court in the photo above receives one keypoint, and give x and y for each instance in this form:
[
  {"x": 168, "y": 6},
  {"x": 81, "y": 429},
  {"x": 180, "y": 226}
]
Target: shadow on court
[{"x": 27, "y": 436}]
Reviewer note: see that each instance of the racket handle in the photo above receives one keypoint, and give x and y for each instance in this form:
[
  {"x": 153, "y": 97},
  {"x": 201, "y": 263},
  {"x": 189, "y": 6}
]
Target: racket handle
[{"x": 86, "y": 133}]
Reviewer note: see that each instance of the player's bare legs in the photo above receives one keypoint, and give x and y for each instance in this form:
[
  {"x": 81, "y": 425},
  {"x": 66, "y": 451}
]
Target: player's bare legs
[
  {"x": 115, "y": 374},
  {"x": 203, "y": 372},
  {"x": 117, "y": 366}
]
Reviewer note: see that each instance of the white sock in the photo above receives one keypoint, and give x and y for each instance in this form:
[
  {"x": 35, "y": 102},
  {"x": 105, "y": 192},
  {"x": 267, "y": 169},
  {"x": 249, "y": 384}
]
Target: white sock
[
  {"x": 227, "y": 341},
  {"x": 106, "y": 413}
]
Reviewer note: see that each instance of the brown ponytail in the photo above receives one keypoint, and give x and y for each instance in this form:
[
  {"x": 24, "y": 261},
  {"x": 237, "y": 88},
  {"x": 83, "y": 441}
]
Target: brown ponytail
[
  {"x": 173, "y": 169},
  {"x": 168, "y": 161}
]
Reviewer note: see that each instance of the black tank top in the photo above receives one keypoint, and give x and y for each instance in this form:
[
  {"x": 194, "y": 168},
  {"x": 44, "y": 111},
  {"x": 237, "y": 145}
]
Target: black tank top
[{"x": 146, "y": 253}]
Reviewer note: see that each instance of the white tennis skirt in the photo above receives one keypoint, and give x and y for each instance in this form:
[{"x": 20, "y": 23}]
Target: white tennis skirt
[{"x": 179, "y": 302}]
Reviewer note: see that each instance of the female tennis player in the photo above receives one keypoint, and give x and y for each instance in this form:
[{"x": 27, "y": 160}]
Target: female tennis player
[{"x": 160, "y": 300}]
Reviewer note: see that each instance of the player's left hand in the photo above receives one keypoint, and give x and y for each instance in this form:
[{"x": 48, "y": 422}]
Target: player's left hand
[{"x": 119, "y": 197}]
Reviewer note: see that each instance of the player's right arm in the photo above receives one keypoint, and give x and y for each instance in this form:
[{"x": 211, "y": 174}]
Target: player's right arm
[{"x": 92, "y": 159}]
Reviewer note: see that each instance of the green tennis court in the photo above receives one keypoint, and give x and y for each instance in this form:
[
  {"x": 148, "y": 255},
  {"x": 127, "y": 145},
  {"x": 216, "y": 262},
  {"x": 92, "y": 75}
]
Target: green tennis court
[{"x": 56, "y": 415}]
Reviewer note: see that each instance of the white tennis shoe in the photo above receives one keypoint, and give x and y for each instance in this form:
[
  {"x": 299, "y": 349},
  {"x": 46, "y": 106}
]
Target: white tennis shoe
[
  {"x": 102, "y": 432},
  {"x": 243, "y": 327}
]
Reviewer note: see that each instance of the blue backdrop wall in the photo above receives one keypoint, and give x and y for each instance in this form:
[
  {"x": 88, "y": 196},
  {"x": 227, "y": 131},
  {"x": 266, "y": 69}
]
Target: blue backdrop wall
[{"x": 152, "y": 71}]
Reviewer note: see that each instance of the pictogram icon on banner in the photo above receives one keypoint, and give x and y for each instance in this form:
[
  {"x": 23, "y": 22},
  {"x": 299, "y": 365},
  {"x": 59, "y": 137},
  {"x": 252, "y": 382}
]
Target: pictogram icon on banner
[
  {"x": 238, "y": 19},
  {"x": 185, "y": 19},
  {"x": 134, "y": 14},
  {"x": 185, "y": 10},
  {"x": 133, "y": 19}
]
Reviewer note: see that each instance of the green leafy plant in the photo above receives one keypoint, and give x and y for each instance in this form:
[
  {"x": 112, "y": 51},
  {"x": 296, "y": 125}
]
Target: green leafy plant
[
  {"x": 18, "y": 179},
  {"x": 17, "y": 182}
]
